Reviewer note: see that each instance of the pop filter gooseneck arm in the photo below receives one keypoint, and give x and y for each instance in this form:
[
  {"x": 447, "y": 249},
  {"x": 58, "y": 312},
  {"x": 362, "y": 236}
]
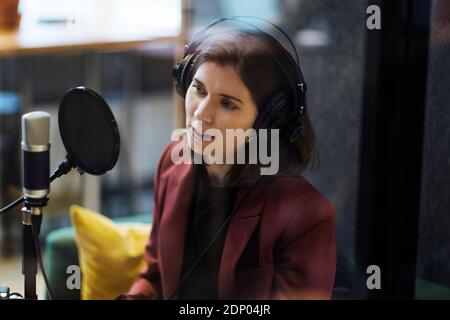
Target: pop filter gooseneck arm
[{"x": 63, "y": 169}]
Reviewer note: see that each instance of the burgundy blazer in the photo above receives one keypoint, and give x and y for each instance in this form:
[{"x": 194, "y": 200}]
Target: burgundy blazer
[{"x": 286, "y": 224}]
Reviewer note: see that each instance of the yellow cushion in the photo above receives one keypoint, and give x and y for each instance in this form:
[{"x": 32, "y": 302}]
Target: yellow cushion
[{"x": 111, "y": 255}]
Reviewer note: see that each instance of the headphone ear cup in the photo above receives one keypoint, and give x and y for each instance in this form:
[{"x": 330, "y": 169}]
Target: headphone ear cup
[
  {"x": 181, "y": 72},
  {"x": 271, "y": 108}
]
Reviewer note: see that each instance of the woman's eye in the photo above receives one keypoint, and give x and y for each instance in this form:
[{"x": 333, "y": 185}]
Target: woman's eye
[
  {"x": 228, "y": 104},
  {"x": 199, "y": 90}
]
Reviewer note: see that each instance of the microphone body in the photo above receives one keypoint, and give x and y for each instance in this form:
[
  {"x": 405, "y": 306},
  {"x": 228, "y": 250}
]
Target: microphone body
[{"x": 36, "y": 157}]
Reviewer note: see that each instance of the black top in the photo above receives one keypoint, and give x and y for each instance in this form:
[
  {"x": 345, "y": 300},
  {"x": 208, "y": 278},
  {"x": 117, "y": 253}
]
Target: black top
[{"x": 210, "y": 208}]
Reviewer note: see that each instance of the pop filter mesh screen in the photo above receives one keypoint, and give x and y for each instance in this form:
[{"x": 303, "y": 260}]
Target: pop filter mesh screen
[{"x": 89, "y": 131}]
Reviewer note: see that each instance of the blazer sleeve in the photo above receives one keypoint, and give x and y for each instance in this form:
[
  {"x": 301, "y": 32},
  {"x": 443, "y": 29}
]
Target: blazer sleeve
[
  {"x": 305, "y": 260},
  {"x": 148, "y": 285}
]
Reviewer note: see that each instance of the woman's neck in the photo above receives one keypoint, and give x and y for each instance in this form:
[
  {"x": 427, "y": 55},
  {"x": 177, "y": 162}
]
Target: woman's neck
[{"x": 216, "y": 173}]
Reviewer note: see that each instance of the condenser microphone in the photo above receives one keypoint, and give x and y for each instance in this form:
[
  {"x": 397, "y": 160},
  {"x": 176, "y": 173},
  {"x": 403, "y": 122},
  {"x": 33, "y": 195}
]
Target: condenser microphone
[{"x": 36, "y": 157}]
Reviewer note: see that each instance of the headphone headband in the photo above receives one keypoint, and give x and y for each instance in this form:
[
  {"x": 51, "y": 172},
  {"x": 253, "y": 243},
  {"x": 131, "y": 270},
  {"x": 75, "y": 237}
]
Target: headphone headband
[{"x": 239, "y": 19}]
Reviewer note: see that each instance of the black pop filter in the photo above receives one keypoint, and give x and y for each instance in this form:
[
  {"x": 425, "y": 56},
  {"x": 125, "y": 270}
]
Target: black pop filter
[{"x": 88, "y": 131}]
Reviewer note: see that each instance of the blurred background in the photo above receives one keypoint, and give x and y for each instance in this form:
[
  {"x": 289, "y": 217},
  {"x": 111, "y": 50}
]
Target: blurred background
[{"x": 357, "y": 83}]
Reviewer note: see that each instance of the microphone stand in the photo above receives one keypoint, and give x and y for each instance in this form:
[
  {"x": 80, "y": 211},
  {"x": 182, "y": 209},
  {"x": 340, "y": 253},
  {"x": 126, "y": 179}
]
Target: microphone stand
[
  {"x": 31, "y": 224},
  {"x": 29, "y": 259},
  {"x": 31, "y": 227}
]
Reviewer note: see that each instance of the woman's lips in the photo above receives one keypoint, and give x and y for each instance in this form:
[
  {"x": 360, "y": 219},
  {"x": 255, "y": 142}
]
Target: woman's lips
[{"x": 202, "y": 136}]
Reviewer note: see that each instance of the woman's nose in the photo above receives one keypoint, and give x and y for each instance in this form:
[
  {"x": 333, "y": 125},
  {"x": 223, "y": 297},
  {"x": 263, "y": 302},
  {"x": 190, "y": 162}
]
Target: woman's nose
[{"x": 205, "y": 111}]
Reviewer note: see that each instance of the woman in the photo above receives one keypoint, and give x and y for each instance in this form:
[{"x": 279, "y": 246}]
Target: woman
[{"x": 223, "y": 230}]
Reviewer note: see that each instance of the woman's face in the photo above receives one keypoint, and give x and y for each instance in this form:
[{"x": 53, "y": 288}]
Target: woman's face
[{"x": 217, "y": 99}]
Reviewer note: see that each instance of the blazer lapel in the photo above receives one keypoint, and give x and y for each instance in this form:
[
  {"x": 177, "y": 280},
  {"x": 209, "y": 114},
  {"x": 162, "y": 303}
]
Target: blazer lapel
[
  {"x": 247, "y": 212},
  {"x": 173, "y": 224}
]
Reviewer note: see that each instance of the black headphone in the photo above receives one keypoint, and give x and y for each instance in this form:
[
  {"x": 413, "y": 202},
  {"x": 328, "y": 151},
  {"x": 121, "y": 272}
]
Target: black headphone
[{"x": 182, "y": 72}]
